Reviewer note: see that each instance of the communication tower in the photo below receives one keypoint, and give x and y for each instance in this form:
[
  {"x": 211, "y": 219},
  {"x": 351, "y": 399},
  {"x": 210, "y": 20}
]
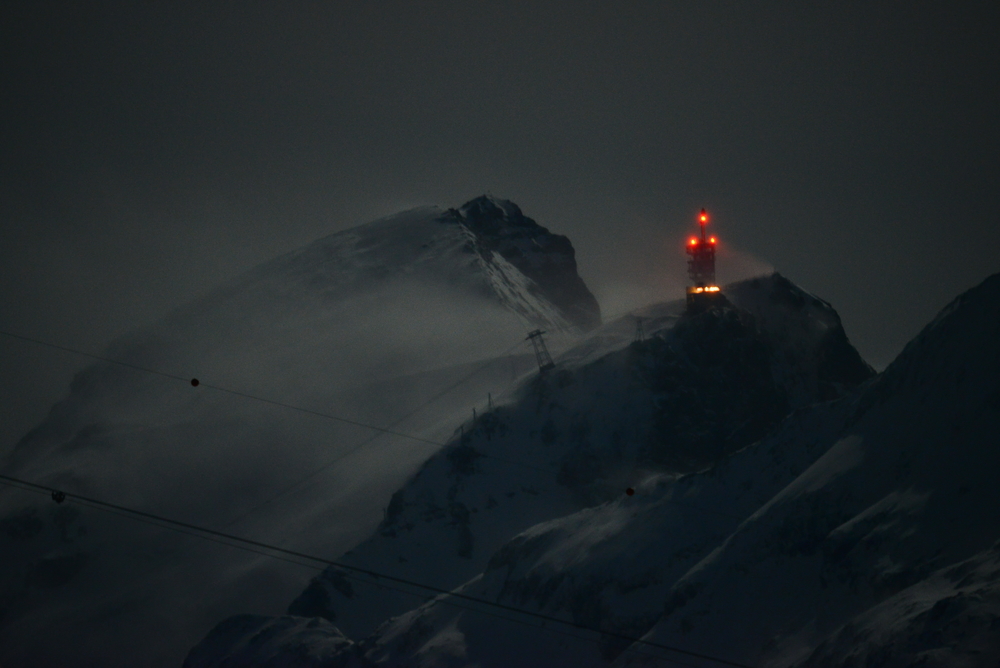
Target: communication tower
[{"x": 701, "y": 269}]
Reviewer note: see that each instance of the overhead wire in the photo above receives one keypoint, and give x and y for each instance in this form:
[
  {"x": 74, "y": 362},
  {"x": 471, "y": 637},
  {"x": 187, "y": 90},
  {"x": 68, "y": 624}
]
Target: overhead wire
[
  {"x": 292, "y": 556},
  {"x": 357, "y": 423},
  {"x": 267, "y": 549},
  {"x": 198, "y": 383},
  {"x": 248, "y": 548},
  {"x": 379, "y": 429},
  {"x": 246, "y": 395},
  {"x": 314, "y": 567},
  {"x": 75, "y": 351},
  {"x": 313, "y": 474}
]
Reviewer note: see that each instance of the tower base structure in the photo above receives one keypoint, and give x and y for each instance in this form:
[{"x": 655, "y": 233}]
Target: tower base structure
[{"x": 701, "y": 298}]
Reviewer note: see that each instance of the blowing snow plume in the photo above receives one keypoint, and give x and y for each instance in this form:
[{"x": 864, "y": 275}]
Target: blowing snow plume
[{"x": 369, "y": 324}]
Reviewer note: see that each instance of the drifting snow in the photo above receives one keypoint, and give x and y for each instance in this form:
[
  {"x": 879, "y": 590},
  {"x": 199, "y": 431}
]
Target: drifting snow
[
  {"x": 526, "y": 505},
  {"x": 373, "y": 324}
]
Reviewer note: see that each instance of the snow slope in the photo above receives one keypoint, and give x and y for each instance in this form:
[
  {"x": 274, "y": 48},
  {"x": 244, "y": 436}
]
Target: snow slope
[
  {"x": 612, "y": 414},
  {"x": 904, "y": 493},
  {"x": 372, "y": 324},
  {"x": 861, "y": 532}
]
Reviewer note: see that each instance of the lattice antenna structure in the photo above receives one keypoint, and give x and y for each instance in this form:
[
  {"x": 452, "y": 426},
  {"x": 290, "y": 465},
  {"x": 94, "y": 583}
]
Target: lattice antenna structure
[
  {"x": 541, "y": 352},
  {"x": 701, "y": 269},
  {"x": 701, "y": 265}
]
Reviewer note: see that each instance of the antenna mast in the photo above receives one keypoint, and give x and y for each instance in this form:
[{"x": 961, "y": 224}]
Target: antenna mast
[{"x": 701, "y": 269}]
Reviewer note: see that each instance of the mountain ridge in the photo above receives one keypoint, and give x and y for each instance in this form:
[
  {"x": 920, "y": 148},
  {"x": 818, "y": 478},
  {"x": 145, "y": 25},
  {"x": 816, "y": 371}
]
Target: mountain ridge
[
  {"x": 547, "y": 259},
  {"x": 439, "y": 526},
  {"x": 862, "y": 540},
  {"x": 406, "y": 301}
]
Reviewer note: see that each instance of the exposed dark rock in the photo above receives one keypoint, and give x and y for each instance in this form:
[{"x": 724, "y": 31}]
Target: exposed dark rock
[
  {"x": 547, "y": 259},
  {"x": 463, "y": 459},
  {"x": 713, "y": 387},
  {"x": 317, "y": 600}
]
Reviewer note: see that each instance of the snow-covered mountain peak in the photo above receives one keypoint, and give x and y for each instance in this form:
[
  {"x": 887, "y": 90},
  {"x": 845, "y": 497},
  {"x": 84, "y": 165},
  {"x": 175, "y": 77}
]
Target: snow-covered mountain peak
[
  {"x": 487, "y": 207},
  {"x": 487, "y": 246},
  {"x": 808, "y": 331},
  {"x": 505, "y": 235},
  {"x": 813, "y": 358},
  {"x": 380, "y": 324}
]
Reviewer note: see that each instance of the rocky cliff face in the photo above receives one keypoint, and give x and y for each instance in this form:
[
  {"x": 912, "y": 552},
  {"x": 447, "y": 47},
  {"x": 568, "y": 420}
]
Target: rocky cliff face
[{"x": 548, "y": 260}]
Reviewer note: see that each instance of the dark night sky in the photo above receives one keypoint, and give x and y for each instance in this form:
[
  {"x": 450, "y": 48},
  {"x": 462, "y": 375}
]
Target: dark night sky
[{"x": 152, "y": 150}]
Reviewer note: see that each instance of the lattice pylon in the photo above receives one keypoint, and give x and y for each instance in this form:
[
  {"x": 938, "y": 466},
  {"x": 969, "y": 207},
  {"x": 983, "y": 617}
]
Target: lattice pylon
[{"x": 541, "y": 352}]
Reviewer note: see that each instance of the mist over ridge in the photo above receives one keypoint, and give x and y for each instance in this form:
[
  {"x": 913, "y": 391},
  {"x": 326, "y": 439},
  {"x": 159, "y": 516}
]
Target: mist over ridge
[{"x": 373, "y": 324}]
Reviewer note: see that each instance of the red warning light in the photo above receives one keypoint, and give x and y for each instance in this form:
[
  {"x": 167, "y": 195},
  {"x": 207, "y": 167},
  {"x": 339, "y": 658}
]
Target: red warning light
[
  {"x": 711, "y": 240},
  {"x": 693, "y": 241},
  {"x": 703, "y": 217}
]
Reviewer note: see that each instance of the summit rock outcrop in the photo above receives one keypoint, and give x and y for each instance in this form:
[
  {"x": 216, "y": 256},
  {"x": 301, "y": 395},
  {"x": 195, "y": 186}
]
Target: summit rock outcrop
[{"x": 547, "y": 259}]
